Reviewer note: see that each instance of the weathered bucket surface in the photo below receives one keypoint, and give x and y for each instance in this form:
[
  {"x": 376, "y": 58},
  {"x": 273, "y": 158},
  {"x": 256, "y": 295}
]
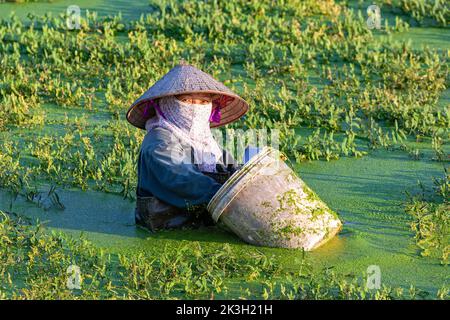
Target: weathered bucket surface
[{"x": 266, "y": 204}]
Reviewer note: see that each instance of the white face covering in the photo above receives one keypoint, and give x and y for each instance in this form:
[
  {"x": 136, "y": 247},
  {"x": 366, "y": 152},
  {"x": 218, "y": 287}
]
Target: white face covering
[{"x": 190, "y": 123}]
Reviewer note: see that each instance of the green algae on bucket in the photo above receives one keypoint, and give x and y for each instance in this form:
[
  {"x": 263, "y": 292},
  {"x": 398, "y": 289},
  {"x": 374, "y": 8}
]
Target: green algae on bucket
[{"x": 266, "y": 204}]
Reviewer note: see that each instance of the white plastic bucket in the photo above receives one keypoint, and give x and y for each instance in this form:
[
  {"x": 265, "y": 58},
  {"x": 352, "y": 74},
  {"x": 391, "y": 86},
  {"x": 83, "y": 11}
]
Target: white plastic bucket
[{"x": 266, "y": 204}]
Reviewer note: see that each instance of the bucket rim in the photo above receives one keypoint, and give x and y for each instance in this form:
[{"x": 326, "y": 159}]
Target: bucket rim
[{"x": 233, "y": 180}]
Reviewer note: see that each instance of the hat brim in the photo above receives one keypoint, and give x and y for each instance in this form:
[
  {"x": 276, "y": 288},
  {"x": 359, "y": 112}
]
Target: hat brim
[
  {"x": 231, "y": 110},
  {"x": 183, "y": 79}
]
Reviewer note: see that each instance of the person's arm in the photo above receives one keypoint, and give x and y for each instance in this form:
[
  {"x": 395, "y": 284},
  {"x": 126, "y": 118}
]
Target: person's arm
[{"x": 176, "y": 180}]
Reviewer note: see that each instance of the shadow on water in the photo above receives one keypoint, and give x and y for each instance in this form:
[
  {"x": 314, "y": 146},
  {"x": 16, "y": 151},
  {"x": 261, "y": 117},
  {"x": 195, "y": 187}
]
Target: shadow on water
[
  {"x": 101, "y": 213},
  {"x": 129, "y": 9},
  {"x": 368, "y": 194},
  {"x": 84, "y": 211}
]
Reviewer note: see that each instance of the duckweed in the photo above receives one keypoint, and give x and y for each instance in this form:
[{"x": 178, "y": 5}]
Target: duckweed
[
  {"x": 39, "y": 259},
  {"x": 310, "y": 69}
]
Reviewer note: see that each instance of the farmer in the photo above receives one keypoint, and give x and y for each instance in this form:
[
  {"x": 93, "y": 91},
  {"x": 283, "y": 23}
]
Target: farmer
[{"x": 181, "y": 166}]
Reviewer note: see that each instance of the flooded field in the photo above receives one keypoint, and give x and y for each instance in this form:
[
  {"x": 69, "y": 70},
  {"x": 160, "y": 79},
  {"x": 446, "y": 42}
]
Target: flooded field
[{"x": 367, "y": 171}]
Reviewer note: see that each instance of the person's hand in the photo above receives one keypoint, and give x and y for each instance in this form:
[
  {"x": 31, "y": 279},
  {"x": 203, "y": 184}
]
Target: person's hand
[{"x": 232, "y": 167}]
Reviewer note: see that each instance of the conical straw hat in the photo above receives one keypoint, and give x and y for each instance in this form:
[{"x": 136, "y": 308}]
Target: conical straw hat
[{"x": 185, "y": 78}]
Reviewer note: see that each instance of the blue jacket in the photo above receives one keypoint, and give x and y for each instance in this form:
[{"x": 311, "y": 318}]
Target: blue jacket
[{"x": 166, "y": 171}]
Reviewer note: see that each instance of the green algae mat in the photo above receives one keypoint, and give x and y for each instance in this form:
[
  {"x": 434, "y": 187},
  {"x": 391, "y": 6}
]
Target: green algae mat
[{"x": 362, "y": 114}]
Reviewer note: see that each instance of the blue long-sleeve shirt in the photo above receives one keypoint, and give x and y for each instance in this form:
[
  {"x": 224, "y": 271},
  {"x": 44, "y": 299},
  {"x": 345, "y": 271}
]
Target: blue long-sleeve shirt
[{"x": 166, "y": 171}]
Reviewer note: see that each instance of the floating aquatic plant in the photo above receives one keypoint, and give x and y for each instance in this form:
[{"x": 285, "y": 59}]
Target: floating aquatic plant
[
  {"x": 431, "y": 220},
  {"x": 40, "y": 260}
]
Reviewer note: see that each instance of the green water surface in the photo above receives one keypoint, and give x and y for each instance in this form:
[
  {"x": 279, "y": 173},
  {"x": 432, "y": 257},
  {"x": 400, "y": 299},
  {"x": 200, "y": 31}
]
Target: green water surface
[{"x": 368, "y": 194}]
